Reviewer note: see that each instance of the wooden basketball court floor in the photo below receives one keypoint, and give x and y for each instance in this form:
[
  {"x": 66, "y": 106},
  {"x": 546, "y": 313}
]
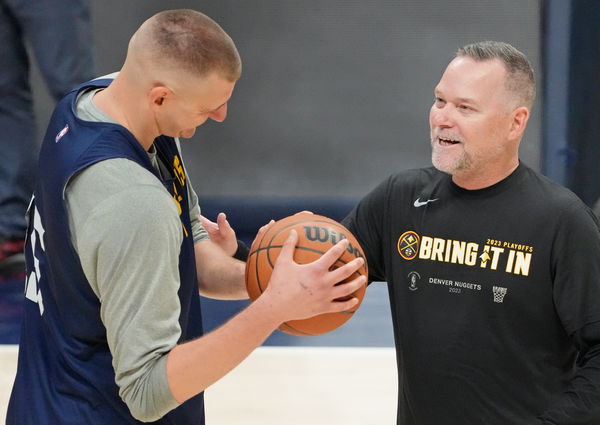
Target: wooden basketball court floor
[{"x": 345, "y": 377}]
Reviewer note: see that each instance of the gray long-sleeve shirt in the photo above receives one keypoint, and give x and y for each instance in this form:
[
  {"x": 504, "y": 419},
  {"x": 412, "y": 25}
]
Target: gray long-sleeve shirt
[{"x": 137, "y": 222}]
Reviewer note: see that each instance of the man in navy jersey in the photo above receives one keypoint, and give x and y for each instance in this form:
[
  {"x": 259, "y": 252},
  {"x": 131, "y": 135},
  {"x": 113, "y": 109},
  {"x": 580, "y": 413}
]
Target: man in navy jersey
[
  {"x": 493, "y": 271},
  {"x": 116, "y": 253}
]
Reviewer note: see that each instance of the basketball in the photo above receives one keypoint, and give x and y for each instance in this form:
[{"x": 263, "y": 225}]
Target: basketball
[{"x": 316, "y": 235}]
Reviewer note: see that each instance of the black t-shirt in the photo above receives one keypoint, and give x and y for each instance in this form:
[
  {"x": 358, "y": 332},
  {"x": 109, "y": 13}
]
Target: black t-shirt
[{"x": 491, "y": 291}]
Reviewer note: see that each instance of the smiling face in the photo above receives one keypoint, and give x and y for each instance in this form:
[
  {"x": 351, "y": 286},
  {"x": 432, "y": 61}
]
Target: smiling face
[
  {"x": 475, "y": 124},
  {"x": 178, "y": 111}
]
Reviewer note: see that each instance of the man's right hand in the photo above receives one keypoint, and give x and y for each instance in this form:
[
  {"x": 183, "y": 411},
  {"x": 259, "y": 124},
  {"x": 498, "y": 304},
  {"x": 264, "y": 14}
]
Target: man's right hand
[{"x": 300, "y": 291}]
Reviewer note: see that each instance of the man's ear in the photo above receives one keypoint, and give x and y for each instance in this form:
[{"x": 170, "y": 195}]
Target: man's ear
[
  {"x": 518, "y": 122},
  {"x": 158, "y": 95}
]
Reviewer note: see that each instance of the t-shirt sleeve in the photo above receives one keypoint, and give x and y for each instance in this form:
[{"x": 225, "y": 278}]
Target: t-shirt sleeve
[
  {"x": 365, "y": 222},
  {"x": 576, "y": 290},
  {"x": 576, "y": 268},
  {"x": 128, "y": 238}
]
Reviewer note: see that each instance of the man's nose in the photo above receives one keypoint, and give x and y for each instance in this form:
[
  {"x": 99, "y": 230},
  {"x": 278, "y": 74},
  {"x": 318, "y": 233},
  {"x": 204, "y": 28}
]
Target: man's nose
[{"x": 441, "y": 116}]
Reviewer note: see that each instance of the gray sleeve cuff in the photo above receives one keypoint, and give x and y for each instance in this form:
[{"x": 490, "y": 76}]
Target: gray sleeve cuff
[
  {"x": 198, "y": 231},
  {"x": 158, "y": 400}
]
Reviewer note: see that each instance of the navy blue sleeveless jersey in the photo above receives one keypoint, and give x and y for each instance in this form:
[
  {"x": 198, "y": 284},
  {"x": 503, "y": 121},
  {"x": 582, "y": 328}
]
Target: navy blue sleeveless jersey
[{"x": 64, "y": 374}]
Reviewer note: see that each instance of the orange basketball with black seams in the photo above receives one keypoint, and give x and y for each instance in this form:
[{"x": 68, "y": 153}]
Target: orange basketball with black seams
[{"x": 316, "y": 235}]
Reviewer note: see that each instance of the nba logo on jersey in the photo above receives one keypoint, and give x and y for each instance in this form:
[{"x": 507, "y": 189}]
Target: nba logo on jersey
[
  {"x": 61, "y": 133},
  {"x": 413, "y": 278}
]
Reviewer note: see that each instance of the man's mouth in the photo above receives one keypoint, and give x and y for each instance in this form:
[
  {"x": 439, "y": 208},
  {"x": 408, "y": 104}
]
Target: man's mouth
[{"x": 447, "y": 141}]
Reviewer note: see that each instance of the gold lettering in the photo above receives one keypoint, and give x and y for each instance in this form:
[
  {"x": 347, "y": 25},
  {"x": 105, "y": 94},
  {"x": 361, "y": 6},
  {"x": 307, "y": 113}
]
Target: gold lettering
[
  {"x": 178, "y": 170},
  {"x": 522, "y": 263},
  {"x": 510, "y": 261},
  {"x": 471, "y": 254},
  {"x": 495, "y": 257},
  {"x": 448, "y": 250},
  {"x": 178, "y": 198},
  {"x": 458, "y": 252},
  {"x": 438, "y": 249},
  {"x": 425, "y": 249}
]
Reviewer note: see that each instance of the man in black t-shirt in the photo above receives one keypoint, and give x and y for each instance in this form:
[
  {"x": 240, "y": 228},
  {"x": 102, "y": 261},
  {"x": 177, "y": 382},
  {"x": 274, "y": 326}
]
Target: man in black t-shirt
[{"x": 493, "y": 271}]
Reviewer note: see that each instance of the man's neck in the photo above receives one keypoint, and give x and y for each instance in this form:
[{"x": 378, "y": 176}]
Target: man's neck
[
  {"x": 115, "y": 103},
  {"x": 481, "y": 179}
]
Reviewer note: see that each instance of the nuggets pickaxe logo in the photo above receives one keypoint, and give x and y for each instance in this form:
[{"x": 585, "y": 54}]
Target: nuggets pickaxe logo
[{"x": 408, "y": 245}]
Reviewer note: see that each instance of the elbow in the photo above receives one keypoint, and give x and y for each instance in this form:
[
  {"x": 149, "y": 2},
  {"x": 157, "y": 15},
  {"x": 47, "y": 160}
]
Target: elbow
[
  {"x": 142, "y": 412},
  {"x": 142, "y": 417},
  {"x": 146, "y": 401}
]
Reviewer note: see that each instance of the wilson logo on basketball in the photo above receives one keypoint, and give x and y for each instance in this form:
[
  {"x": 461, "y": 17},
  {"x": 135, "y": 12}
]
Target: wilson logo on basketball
[
  {"x": 324, "y": 234},
  {"x": 408, "y": 245}
]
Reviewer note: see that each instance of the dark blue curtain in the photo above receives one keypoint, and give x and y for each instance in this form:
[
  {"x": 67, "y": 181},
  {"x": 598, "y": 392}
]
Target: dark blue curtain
[{"x": 584, "y": 100}]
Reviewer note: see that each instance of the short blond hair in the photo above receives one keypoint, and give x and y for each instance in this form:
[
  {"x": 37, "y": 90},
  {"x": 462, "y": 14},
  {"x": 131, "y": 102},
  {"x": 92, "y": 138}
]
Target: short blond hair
[{"x": 193, "y": 42}]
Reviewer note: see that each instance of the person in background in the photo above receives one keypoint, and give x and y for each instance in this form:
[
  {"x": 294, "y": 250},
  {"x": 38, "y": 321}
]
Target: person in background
[{"x": 59, "y": 35}]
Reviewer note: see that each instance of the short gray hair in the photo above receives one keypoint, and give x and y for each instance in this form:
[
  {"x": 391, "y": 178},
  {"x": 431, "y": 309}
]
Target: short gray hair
[{"x": 520, "y": 78}]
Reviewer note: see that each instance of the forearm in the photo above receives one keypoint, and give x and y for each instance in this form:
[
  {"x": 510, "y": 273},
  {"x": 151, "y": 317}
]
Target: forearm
[
  {"x": 580, "y": 403},
  {"x": 295, "y": 291},
  {"x": 194, "y": 366},
  {"x": 219, "y": 275}
]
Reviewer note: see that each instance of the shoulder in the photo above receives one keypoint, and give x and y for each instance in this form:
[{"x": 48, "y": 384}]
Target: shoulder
[
  {"x": 118, "y": 186},
  {"x": 412, "y": 183},
  {"x": 416, "y": 176},
  {"x": 549, "y": 193},
  {"x": 550, "y": 198},
  {"x": 405, "y": 185},
  {"x": 112, "y": 175}
]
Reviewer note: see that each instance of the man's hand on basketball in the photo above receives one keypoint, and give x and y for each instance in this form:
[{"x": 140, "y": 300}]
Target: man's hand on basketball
[
  {"x": 306, "y": 290},
  {"x": 221, "y": 233},
  {"x": 262, "y": 231}
]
